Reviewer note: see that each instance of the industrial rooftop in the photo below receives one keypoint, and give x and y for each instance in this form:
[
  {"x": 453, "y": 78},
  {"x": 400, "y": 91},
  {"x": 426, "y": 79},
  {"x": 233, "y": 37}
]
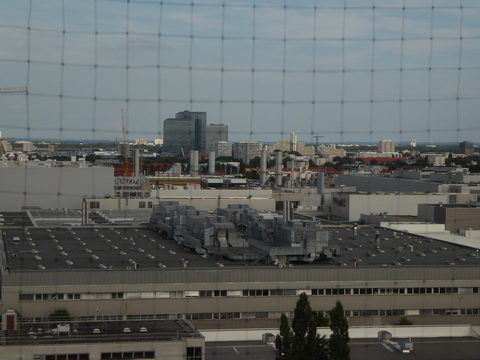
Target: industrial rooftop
[
  {"x": 129, "y": 248},
  {"x": 100, "y": 331}
]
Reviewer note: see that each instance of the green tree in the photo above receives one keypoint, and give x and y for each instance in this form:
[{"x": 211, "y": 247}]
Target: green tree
[
  {"x": 404, "y": 321},
  {"x": 283, "y": 341},
  {"x": 322, "y": 320},
  {"x": 60, "y": 315},
  {"x": 301, "y": 341},
  {"x": 338, "y": 342}
]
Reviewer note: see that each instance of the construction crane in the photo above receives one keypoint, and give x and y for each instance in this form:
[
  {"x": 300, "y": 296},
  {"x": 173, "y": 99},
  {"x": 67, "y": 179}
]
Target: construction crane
[{"x": 316, "y": 141}]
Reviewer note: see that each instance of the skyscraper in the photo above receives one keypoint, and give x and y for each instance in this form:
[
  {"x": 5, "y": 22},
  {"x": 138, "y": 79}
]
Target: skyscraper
[
  {"x": 185, "y": 132},
  {"x": 466, "y": 147},
  {"x": 216, "y": 133}
]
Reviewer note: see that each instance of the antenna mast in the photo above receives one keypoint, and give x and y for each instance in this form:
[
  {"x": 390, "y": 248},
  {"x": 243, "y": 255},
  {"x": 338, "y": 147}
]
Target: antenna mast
[{"x": 125, "y": 155}]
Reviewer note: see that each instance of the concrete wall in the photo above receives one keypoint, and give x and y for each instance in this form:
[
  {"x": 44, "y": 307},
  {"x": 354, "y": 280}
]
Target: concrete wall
[
  {"x": 462, "y": 218},
  {"x": 201, "y": 199},
  {"x": 386, "y": 184},
  {"x": 171, "y": 350},
  {"x": 416, "y": 228},
  {"x": 426, "y": 213},
  {"x": 354, "y": 332},
  {"x": 351, "y": 206},
  {"x": 60, "y": 187},
  {"x": 454, "y": 218}
]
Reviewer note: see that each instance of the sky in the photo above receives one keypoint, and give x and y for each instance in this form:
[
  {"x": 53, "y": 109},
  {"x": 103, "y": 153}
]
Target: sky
[{"x": 349, "y": 71}]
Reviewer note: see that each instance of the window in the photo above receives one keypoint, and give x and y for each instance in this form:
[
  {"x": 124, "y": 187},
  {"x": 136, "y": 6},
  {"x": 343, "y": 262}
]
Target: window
[
  {"x": 64, "y": 357},
  {"x": 94, "y": 205},
  {"x": 129, "y": 355},
  {"x": 141, "y": 204},
  {"x": 25, "y": 297},
  {"x": 194, "y": 353},
  {"x": 176, "y": 294},
  {"x": 117, "y": 295},
  {"x": 256, "y": 292}
]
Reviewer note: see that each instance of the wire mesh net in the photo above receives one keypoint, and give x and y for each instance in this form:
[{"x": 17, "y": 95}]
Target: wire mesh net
[{"x": 346, "y": 71}]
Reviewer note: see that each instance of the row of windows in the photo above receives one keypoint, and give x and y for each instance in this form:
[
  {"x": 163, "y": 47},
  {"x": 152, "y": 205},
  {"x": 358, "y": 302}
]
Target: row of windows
[
  {"x": 62, "y": 357},
  {"x": 266, "y": 315},
  {"x": 350, "y": 313},
  {"x": 129, "y": 355},
  {"x": 248, "y": 293}
]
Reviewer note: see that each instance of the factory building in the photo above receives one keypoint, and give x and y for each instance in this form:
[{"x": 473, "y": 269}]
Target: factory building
[
  {"x": 124, "y": 273},
  {"x": 100, "y": 340},
  {"x": 52, "y": 187}
]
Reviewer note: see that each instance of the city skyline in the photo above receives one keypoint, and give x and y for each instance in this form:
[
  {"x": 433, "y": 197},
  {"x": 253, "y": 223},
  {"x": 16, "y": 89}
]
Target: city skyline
[{"x": 368, "y": 72}]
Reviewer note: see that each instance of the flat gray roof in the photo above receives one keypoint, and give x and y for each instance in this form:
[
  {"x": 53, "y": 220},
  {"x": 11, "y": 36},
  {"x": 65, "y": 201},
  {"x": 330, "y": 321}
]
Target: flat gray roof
[
  {"x": 101, "y": 331},
  {"x": 129, "y": 248}
]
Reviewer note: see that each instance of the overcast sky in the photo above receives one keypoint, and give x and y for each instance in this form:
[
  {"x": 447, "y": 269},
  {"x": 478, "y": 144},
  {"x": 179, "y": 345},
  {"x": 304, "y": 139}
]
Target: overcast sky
[{"x": 384, "y": 69}]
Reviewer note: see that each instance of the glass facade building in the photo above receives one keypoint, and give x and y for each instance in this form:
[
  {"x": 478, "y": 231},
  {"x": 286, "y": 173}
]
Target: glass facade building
[{"x": 185, "y": 132}]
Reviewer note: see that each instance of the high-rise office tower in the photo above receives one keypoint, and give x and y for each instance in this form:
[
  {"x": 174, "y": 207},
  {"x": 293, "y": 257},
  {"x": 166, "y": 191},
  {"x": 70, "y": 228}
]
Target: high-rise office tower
[
  {"x": 216, "y": 133},
  {"x": 185, "y": 132},
  {"x": 466, "y": 147}
]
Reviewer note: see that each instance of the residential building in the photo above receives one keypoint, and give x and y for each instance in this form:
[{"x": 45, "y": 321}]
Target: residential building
[
  {"x": 247, "y": 150},
  {"x": 331, "y": 150},
  {"x": 222, "y": 148},
  {"x": 386, "y": 146}
]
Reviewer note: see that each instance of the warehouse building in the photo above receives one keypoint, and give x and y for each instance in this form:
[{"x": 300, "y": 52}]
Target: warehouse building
[{"x": 119, "y": 274}]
